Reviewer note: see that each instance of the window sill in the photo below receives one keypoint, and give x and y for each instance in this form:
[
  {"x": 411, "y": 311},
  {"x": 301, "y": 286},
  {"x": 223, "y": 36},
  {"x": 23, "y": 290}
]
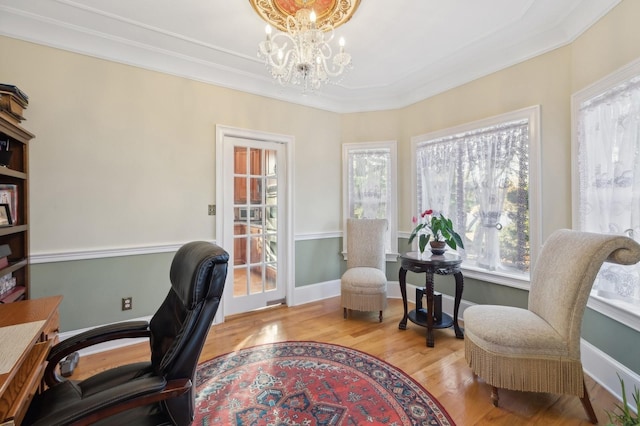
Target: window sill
[
  {"x": 510, "y": 280},
  {"x": 614, "y": 312}
]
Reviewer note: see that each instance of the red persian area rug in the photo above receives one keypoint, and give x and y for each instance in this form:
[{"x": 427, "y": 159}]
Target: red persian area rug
[{"x": 307, "y": 384}]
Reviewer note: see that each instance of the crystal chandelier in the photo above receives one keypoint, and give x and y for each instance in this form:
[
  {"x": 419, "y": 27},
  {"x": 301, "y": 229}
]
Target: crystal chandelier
[{"x": 302, "y": 55}]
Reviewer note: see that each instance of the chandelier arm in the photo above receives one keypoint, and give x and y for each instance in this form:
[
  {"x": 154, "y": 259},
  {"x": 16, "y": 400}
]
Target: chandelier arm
[
  {"x": 336, "y": 73},
  {"x": 279, "y": 63},
  {"x": 331, "y": 71},
  {"x": 328, "y": 30},
  {"x": 276, "y": 47},
  {"x": 285, "y": 38},
  {"x": 293, "y": 26},
  {"x": 326, "y": 53}
]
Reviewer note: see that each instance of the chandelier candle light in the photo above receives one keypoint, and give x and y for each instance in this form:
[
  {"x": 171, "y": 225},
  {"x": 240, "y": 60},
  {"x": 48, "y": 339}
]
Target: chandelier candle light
[{"x": 303, "y": 55}]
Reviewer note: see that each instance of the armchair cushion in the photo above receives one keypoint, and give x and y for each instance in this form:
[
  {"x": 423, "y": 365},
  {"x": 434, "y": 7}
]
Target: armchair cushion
[
  {"x": 519, "y": 332},
  {"x": 364, "y": 280},
  {"x": 70, "y": 395}
]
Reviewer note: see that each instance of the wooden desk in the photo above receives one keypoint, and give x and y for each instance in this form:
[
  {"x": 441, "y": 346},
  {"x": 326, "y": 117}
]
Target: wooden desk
[
  {"x": 444, "y": 264},
  {"x": 28, "y": 329}
]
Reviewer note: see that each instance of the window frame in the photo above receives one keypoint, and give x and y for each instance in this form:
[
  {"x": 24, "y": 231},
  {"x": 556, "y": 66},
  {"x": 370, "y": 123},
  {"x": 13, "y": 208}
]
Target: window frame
[
  {"x": 392, "y": 201},
  {"x": 532, "y": 115},
  {"x": 597, "y": 88}
]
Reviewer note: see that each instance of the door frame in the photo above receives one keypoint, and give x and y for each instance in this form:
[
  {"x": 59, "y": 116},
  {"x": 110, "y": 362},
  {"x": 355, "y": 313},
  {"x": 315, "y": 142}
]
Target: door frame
[{"x": 286, "y": 253}]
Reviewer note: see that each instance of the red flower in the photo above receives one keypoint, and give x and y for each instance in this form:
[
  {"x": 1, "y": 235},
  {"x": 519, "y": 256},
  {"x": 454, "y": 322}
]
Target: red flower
[{"x": 427, "y": 213}]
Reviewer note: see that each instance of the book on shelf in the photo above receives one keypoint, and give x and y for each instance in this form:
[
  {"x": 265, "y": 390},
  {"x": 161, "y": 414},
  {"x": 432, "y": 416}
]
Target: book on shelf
[
  {"x": 18, "y": 293},
  {"x": 5, "y": 252},
  {"x": 10, "y": 88},
  {"x": 11, "y": 118},
  {"x": 10, "y": 103},
  {"x": 7, "y": 283},
  {"x": 13, "y": 102},
  {"x": 9, "y": 195}
]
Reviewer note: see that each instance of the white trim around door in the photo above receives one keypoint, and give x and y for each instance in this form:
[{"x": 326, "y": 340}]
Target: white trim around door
[{"x": 286, "y": 250}]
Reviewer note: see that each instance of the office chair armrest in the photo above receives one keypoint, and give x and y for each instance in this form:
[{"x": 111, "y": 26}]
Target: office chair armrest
[
  {"x": 115, "y": 400},
  {"x": 122, "y": 330}
]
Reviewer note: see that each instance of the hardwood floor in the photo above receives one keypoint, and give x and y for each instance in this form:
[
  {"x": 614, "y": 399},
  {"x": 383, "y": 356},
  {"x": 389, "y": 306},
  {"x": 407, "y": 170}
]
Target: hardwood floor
[{"x": 441, "y": 370}]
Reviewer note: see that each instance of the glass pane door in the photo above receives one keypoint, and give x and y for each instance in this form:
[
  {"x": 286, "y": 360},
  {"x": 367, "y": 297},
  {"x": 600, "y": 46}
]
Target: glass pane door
[{"x": 255, "y": 231}]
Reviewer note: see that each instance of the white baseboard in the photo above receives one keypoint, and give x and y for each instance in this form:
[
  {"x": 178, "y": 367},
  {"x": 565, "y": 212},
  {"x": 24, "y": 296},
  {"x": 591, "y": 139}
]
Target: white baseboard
[
  {"x": 597, "y": 364},
  {"x": 315, "y": 292},
  {"x": 605, "y": 370}
]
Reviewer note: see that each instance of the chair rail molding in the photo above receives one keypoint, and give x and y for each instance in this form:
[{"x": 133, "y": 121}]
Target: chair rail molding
[{"x": 65, "y": 256}]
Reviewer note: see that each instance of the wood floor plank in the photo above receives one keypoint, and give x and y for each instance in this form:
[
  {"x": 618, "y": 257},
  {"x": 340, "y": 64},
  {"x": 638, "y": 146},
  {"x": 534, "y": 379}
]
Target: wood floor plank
[{"x": 442, "y": 370}]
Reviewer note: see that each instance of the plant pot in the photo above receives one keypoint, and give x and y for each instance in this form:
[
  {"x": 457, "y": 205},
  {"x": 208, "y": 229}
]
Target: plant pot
[{"x": 438, "y": 247}]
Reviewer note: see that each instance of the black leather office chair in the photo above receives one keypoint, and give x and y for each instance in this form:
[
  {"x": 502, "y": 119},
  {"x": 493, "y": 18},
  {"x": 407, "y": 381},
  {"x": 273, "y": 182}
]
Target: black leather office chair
[{"x": 158, "y": 392}]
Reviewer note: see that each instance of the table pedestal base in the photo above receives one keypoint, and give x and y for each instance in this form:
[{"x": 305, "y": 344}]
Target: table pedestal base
[{"x": 447, "y": 264}]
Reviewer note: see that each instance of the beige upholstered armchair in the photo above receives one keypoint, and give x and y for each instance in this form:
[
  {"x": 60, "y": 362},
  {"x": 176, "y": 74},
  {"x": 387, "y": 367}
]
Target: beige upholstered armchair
[
  {"x": 364, "y": 283},
  {"x": 538, "y": 349}
]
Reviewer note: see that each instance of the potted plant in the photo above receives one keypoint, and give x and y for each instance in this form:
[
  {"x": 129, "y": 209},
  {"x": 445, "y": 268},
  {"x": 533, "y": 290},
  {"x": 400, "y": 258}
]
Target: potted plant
[
  {"x": 440, "y": 227},
  {"x": 624, "y": 416}
]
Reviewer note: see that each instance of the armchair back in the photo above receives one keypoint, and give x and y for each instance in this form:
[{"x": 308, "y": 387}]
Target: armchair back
[
  {"x": 564, "y": 273},
  {"x": 366, "y": 242}
]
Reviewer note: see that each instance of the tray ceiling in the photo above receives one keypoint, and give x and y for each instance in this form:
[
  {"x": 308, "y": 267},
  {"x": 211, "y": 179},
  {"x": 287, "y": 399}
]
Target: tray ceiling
[{"x": 402, "y": 52}]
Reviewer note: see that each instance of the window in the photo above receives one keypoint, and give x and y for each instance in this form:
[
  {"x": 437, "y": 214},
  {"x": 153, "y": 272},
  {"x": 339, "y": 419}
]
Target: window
[
  {"x": 369, "y": 186},
  {"x": 483, "y": 176},
  {"x": 606, "y": 154}
]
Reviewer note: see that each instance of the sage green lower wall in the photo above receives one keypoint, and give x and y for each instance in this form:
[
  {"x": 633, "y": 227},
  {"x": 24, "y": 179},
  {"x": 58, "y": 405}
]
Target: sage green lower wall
[
  {"x": 318, "y": 261},
  {"x": 93, "y": 290},
  {"x": 620, "y": 342}
]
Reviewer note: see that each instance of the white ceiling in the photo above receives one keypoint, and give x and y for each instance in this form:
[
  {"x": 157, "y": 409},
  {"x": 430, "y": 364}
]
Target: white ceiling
[{"x": 403, "y": 50}]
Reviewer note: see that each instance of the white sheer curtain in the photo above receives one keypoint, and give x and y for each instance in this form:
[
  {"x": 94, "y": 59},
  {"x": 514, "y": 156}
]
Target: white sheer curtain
[
  {"x": 435, "y": 186},
  {"x": 490, "y": 156},
  {"x": 369, "y": 183},
  {"x": 480, "y": 178},
  {"x": 608, "y": 139}
]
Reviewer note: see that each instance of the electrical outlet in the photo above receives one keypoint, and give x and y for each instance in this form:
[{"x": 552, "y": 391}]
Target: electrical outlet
[
  {"x": 127, "y": 303},
  {"x": 212, "y": 209}
]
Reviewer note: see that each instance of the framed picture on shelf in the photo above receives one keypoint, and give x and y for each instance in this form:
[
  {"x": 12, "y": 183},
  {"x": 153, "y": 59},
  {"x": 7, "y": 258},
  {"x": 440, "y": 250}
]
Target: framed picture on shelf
[
  {"x": 5, "y": 215},
  {"x": 9, "y": 195}
]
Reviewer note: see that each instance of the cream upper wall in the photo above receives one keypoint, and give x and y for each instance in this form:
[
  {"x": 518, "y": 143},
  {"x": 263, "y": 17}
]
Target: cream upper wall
[
  {"x": 125, "y": 157},
  {"x": 609, "y": 44}
]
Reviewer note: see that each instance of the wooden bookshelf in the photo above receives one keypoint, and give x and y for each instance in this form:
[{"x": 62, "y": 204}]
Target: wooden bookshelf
[{"x": 14, "y": 184}]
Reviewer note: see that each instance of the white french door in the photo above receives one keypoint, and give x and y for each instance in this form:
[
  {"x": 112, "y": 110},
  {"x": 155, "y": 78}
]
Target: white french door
[{"x": 254, "y": 182}]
